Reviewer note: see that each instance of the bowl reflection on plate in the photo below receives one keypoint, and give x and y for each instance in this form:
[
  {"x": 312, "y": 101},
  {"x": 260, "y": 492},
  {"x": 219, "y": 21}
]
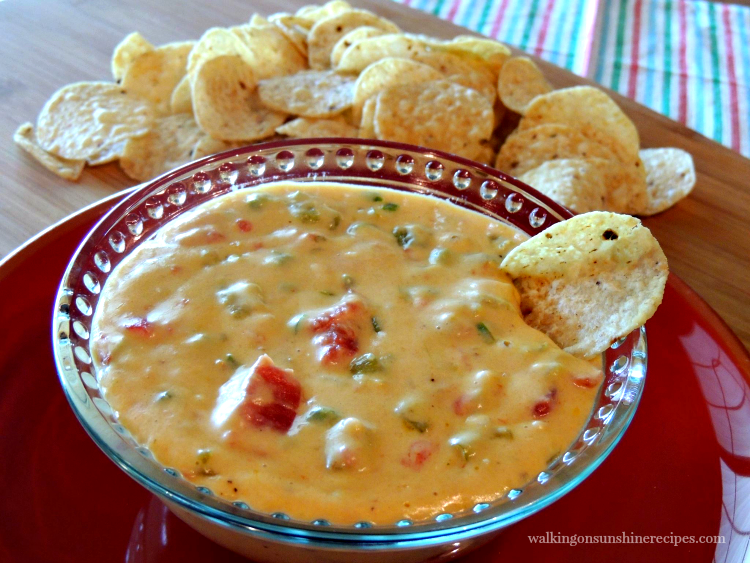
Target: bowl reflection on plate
[{"x": 276, "y": 537}]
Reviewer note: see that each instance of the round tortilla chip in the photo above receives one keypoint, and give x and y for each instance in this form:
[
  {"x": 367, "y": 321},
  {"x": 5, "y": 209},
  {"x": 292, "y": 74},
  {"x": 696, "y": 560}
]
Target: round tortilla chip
[
  {"x": 589, "y": 184},
  {"x": 294, "y": 28},
  {"x": 326, "y": 33},
  {"x": 169, "y": 144},
  {"x": 316, "y": 13},
  {"x": 181, "y": 100},
  {"x": 154, "y": 75},
  {"x": 407, "y": 114},
  {"x": 346, "y": 41},
  {"x": 465, "y": 70},
  {"x": 592, "y": 112},
  {"x": 670, "y": 176},
  {"x": 268, "y": 52},
  {"x": 226, "y": 102},
  {"x": 526, "y": 149},
  {"x": 571, "y": 182},
  {"x": 492, "y": 52},
  {"x": 590, "y": 280},
  {"x": 520, "y": 82},
  {"x": 315, "y": 93},
  {"x": 306, "y": 127},
  {"x": 206, "y": 146},
  {"x": 65, "y": 168},
  {"x": 128, "y": 50},
  {"x": 367, "y": 124},
  {"x": 216, "y": 42},
  {"x": 83, "y": 119},
  {"x": 367, "y": 51},
  {"x": 386, "y": 73}
]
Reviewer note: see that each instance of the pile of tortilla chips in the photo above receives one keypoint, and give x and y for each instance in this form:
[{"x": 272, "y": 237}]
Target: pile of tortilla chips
[{"x": 334, "y": 70}]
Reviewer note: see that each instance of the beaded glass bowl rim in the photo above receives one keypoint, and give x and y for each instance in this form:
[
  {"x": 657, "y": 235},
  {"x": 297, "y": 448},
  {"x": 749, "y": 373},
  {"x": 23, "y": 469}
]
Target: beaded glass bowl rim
[{"x": 366, "y": 162}]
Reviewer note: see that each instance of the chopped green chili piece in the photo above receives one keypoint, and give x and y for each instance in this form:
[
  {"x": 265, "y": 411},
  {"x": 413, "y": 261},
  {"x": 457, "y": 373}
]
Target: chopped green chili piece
[
  {"x": 229, "y": 359},
  {"x": 305, "y": 212},
  {"x": 277, "y": 258},
  {"x": 348, "y": 281},
  {"x": 238, "y": 311},
  {"x": 209, "y": 257},
  {"x": 376, "y": 325},
  {"x": 503, "y": 432},
  {"x": 204, "y": 456},
  {"x": 296, "y": 322},
  {"x": 416, "y": 425},
  {"x": 441, "y": 256},
  {"x": 335, "y": 222},
  {"x": 366, "y": 363},
  {"x": 464, "y": 451},
  {"x": 390, "y": 206},
  {"x": 403, "y": 236},
  {"x": 323, "y": 414},
  {"x": 377, "y": 198},
  {"x": 328, "y": 293},
  {"x": 163, "y": 396},
  {"x": 256, "y": 201},
  {"x": 485, "y": 333}
]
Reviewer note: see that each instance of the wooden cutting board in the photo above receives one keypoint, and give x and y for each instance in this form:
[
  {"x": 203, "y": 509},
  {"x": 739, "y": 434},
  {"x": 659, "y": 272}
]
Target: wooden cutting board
[{"x": 49, "y": 43}]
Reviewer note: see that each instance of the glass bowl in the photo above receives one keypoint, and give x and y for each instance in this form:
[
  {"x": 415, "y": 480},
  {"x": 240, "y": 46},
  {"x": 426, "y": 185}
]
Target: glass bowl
[{"x": 277, "y": 537}]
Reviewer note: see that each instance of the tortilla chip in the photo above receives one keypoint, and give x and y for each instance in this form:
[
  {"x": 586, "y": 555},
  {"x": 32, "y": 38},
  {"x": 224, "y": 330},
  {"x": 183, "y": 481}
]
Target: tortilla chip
[
  {"x": 294, "y": 28},
  {"x": 367, "y": 125},
  {"x": 363, "y": 53},
  {"x": 154, "y": 75},
  {"x": 305, "y": 127},
  {"x": 316, "y": 13},
  {"x": 670, "y": 176},
  {"x": 82, "y": 119},
  {"x": 128, "y": 50},
  {"x": 589, "y": 184},
  {"x": 407, "y": 114},
  {"x": 592, "y": 112},
  {"x": 464, "y": 70},
  {"x": 350, "y": 39},
  {"x": 107, "y": 154},
  {"x": 526, "y": 149},
  {"x": 571, "y": 182},
  {"x": 590, "y": 280},
  {"x": 169, "y": 144},
  {"x": 216, "y": 42},
  {"x": 326, "y": 33},
  {"x": 182, "y": 98},
  {"x": 493, "y": 53},
  {"x": 386, "y": 73},
  {"x": 226, "y": 102},
  {"x": 309, "y": 94},
  {"x": 520, "y": 82},
  {"x": 65, "y": 168},
  {"x": 206, "y": 146},
  {"x": 269, "y": 53}
]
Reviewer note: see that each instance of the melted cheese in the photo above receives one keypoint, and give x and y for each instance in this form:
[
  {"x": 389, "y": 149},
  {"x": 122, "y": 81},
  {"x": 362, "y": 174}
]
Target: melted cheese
[{"x": 409, "y": 383}]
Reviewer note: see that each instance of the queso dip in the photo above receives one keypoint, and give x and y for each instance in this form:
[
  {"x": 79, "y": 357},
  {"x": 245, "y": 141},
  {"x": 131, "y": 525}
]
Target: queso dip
[{"x": 338, "y": 352}]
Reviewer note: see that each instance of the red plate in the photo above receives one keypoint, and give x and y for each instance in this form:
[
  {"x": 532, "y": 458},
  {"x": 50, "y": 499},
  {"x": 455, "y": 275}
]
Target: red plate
[{"x": 682, "y": 468}]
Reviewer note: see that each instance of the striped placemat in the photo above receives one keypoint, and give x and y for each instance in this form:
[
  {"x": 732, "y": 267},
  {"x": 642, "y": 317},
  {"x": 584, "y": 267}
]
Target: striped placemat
[{"x": 689, "y": 60}]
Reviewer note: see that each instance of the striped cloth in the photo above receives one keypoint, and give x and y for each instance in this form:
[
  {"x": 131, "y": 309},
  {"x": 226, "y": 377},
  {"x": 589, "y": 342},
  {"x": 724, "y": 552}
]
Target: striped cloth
[{"x": 689, "y": 60}]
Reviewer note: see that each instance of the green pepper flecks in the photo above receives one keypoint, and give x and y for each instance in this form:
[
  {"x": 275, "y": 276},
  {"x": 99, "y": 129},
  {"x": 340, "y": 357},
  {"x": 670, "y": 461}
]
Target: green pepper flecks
[{"x": 485, "y": 333}]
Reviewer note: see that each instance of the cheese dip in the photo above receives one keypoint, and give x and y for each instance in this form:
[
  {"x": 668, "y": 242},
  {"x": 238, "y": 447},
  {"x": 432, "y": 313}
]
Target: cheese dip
[{"x": 338, "y": 352}]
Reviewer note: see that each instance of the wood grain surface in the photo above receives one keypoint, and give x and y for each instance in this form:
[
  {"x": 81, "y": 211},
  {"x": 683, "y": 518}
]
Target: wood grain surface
[{"x": 48, "y": 43}]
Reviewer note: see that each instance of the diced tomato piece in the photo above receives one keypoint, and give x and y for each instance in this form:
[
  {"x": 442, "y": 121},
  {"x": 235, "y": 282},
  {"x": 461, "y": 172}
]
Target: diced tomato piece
[
  {"x": 272, "y": 415},
  {"x": 419, "y": 452},
  {"x": 336, "y": 332},
  {"x": 244, "y": 226},
  {"x": 213, "y": 236},
  {"x": 585, "y": 382},
  {"x": 139, "y": 326},
  {"x": 544, "y": 407},
  {"x": 285, "y": 394},
  {"x": 460, "y": 405}
]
